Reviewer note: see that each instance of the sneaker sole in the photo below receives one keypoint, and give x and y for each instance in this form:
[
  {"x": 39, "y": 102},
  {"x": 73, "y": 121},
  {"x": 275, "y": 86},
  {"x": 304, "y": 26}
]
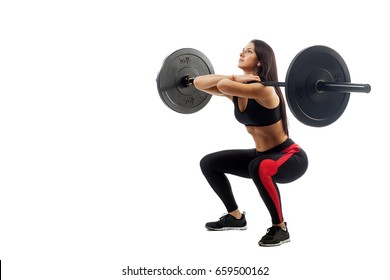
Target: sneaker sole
[
  {"x": 273, "y": 245},
  {"x": 226, "y": 228}
]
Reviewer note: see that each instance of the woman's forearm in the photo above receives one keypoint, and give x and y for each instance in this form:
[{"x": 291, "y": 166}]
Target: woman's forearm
[{"x": 210, "y": 81}]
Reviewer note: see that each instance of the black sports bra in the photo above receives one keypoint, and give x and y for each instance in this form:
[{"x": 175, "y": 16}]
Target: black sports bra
[{"x": 256, "y": 114}]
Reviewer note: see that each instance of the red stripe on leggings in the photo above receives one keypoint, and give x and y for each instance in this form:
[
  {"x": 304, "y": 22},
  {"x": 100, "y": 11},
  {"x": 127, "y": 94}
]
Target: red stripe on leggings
[{"x": 269, "y": 168}]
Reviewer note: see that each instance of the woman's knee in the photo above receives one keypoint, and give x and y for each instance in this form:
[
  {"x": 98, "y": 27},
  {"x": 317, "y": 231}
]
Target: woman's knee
[{"x": 206, "y": 163}]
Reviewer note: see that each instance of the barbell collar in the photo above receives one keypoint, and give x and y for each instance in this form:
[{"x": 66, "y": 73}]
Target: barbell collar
[{"x": 188, "y": 81}]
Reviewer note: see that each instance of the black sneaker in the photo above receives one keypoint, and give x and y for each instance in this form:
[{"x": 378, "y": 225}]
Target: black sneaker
[
  {"x": 275, "y": 236},
  {"x": 228, "y": 222}
]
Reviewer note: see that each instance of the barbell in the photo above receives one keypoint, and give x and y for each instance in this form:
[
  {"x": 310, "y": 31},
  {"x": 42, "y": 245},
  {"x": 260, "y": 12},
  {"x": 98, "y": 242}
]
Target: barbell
[{"x": 317, "y": 84}]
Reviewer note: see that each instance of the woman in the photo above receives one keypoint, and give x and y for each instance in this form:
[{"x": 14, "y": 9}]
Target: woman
[{"x": 275, "y": 158}]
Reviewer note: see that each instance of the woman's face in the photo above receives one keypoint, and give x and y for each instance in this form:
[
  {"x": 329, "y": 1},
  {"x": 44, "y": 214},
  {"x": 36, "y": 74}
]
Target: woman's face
[{"x": 248, "y": 60}]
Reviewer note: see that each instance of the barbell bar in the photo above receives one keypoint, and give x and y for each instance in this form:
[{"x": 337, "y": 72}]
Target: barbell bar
[
  {"x": 317, "y": 84},
  {"x": 321, "y": 86}
]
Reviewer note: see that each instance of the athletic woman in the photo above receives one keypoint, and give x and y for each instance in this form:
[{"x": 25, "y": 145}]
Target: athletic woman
[{"x": 275, "y": 158}]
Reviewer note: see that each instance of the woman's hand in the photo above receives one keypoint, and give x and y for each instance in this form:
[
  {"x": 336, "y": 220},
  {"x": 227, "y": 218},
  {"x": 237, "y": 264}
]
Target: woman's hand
[{"x": 246, "y": 78}]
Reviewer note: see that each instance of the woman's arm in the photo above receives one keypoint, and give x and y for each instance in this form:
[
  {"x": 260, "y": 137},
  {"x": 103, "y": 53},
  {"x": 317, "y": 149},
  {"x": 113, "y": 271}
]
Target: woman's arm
[
  {"x": 208, "y": 83},
  {"x": 246, "y": 86}
]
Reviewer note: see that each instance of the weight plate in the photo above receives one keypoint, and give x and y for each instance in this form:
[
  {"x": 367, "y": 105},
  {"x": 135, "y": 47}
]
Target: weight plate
[
  {"x": 309, "y": 106},
  {"x": 173, "y": 90}
]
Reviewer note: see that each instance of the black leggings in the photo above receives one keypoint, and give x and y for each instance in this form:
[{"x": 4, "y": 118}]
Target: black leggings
[{"x": 282, "y": 164}]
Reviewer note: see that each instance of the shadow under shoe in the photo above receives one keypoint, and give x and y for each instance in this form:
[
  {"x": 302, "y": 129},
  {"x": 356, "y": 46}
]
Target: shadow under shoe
[{"x": 228, "y": 222}]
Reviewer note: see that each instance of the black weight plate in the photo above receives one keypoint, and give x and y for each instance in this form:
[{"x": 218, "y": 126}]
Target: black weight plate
[
  {"x": 309, "y": 106},
  {"x": 176, "y": 94}
]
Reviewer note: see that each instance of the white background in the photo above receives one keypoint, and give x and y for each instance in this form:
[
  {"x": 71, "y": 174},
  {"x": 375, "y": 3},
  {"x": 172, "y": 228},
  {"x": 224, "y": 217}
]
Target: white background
[{"x": 97, "y": 174}]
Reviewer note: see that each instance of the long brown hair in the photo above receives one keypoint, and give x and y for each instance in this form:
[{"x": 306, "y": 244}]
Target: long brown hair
[{"x": 268, "y": 71}]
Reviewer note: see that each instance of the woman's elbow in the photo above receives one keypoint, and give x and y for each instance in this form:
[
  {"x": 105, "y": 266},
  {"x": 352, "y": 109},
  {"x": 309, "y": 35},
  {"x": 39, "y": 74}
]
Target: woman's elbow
[{"x": 223, "y": 85}]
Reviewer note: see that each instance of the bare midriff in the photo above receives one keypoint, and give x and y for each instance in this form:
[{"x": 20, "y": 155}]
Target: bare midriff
[{"x": 267, "y": 137}]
